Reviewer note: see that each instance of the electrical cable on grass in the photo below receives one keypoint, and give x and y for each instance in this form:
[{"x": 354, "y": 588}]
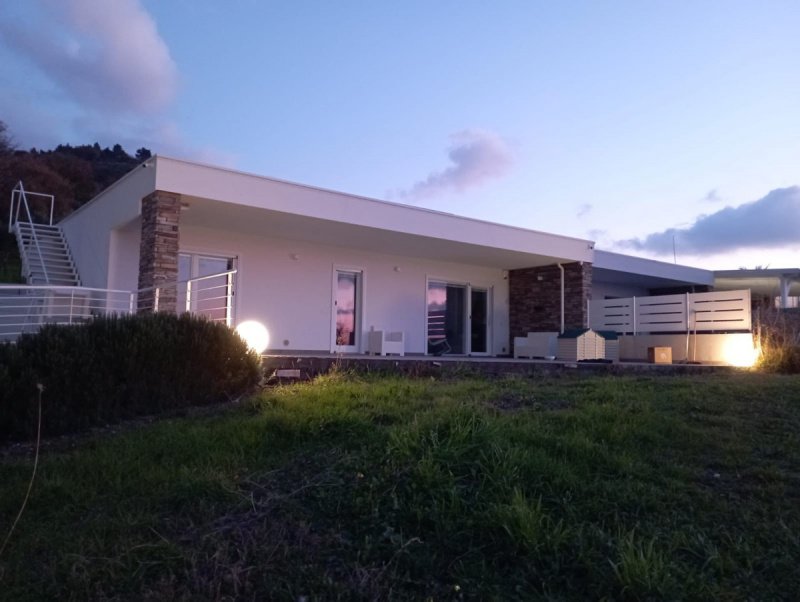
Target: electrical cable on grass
[{"x": 33, "y": 474}]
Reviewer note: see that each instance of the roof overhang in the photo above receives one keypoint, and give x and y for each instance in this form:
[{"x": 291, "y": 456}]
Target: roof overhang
[
  {"x": 225, "y": 199},
  {"x": 617, "y": 268}
]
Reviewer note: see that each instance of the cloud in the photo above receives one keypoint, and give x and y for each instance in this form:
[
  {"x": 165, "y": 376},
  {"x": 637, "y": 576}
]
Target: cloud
[
  {"x": 712, "y": 196},
  {"x": 584, "y": 209},
  {"x": 105, "y": 55},
  {"x": 476, "y": 156},
  {"x": 770, "y": 222}
]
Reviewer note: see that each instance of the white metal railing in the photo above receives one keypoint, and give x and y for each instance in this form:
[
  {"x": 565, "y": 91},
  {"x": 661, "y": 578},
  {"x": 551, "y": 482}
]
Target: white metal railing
[
  {"x": 19, "y": 200},
  {"x": 26, "y": 308},
  {"x": 210, "y": 296},
  {"x": 705, "y": 312}
]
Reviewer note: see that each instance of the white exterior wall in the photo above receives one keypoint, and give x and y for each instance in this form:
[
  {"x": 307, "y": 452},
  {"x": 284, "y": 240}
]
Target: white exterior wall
[
  {"x": 123, "y": 262},
  {"x": 293, "y": 298},
  {"x": 89, "y": 229}
]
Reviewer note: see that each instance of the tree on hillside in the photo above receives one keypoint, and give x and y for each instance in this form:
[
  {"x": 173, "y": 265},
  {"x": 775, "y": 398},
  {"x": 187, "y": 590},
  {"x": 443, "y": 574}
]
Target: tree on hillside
[
  {"x": 36, "y": 176},
  {"x": 74, "y": 174},
  {"x": 6, "y": 143}
]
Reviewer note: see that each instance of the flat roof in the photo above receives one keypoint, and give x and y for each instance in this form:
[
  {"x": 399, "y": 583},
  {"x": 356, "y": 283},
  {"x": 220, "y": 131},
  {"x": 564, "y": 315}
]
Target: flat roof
[{"x": 288, "y": 209}]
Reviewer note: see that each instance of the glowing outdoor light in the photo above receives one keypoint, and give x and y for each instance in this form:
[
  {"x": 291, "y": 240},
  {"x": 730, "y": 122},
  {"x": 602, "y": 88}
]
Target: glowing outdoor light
[
  {"x": 254, "y": 334},
  {"x": 741, "y": 353}
]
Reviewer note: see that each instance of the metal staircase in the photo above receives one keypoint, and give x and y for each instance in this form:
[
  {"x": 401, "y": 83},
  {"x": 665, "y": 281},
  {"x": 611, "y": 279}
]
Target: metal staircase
[
  {"x": 45, "y": 255},
  {"x": 42, "y": 247}
]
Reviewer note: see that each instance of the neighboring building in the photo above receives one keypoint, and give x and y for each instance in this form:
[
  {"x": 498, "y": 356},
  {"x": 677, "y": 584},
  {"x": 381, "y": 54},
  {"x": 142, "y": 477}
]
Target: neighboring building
[{"x": 770, "y": 287}]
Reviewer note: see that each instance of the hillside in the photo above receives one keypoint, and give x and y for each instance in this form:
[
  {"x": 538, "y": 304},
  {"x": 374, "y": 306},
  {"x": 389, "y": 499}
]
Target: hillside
[{"x": 74, "y": 174}]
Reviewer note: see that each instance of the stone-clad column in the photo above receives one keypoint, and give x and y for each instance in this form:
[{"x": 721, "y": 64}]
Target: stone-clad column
[
  {"x": 158, "y": 251},
  {"x": 535, "y": 298}
]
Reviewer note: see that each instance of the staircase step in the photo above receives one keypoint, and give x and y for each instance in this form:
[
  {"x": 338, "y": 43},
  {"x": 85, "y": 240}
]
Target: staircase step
[
  {"x": 37, "y": 226},
  {"x": 44, "y": 244},
  {"x": 48, "y": 245},
  {"x": 41, "y": 233},
  {"x": 51, "y": 239},
  {"x": 54, "y": 260},
  {"x": 47, "y": 251},
  {"x": 30, "y": 240},
  {"x": 36, "y": 264},
  {"x": 52, "y": 275}
]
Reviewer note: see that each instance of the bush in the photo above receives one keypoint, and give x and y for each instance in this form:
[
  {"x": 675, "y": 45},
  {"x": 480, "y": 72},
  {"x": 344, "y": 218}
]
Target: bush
[
  {"x": 115, "y": 368},
  {"x": 778, "y": 335}
]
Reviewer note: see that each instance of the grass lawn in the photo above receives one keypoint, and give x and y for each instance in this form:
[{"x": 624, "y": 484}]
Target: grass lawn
[{"x": 352, "y": 487}]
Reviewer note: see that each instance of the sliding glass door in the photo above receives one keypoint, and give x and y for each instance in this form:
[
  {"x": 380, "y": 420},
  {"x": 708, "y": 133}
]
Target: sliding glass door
[{"x": 457, "y": 319}]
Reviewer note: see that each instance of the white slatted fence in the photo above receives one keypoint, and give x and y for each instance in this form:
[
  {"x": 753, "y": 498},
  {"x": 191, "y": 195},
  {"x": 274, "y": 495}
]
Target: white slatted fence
[{"x": 704, "y": 312}]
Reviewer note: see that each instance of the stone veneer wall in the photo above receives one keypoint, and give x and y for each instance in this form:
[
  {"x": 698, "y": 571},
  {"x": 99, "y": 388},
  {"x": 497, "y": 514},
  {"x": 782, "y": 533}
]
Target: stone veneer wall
[
  {"x": 158, "y": 252},
  {"x": 535, "y": 298}
]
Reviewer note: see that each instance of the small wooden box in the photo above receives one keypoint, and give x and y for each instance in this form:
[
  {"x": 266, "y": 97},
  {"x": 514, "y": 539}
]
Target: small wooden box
[{"x": 659, "y": 355}]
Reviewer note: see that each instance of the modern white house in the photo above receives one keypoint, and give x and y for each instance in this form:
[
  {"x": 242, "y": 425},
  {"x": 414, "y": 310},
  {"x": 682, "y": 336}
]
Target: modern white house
[{"x": 323, "y": 269}]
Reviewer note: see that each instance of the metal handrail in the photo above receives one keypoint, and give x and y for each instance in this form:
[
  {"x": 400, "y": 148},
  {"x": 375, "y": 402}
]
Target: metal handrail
[
  {"x": 11, "y": 216},
  {"x": 60, "y": 287},
  {"x": 177, "y": 282},
  {"x": 25, "y": 308},
  {"x": 191, "y": 291},
  {"x": 19, "y": 189}
]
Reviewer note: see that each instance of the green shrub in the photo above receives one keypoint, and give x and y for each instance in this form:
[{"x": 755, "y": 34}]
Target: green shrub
[{"x": 114, "y": 368}]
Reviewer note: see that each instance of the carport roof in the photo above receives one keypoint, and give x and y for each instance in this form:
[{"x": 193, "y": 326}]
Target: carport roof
[{"x": 626, "y": 269}]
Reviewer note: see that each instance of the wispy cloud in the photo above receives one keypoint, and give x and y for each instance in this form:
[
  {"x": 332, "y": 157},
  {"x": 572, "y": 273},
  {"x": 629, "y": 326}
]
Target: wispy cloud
[
  {"x": 712, "y": 196},
  {"x": 768, "y": 223},
  {"x": 584, "y": 209},
  {"x": 114, "y": 74},
  {"x": 105, "y": 55},
  {"x": 476, "y": 156}
]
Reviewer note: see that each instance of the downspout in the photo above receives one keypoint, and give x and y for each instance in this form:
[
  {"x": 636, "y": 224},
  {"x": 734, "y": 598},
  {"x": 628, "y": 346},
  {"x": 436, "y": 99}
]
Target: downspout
[{"x": 561, "y": 267}]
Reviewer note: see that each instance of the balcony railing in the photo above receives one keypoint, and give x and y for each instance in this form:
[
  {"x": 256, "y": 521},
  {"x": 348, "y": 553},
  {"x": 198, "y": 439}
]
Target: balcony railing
[
  {"x": 26, "y": 308},
  {"x": 210, "y": 296}
]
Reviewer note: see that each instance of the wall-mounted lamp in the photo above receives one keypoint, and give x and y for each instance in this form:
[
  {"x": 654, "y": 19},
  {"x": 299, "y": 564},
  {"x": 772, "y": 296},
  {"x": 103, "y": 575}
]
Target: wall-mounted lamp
[
  {"x": 397, "y": 268},
  {"x": 294, "y": 256}
]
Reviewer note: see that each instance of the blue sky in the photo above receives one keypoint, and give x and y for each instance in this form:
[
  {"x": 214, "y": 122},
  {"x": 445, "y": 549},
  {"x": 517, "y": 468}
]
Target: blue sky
[{"x": 630, "y": 123}]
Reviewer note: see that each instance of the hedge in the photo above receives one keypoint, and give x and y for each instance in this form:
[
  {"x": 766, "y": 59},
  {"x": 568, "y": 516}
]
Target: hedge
[{"x": 116, "y": 368}]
